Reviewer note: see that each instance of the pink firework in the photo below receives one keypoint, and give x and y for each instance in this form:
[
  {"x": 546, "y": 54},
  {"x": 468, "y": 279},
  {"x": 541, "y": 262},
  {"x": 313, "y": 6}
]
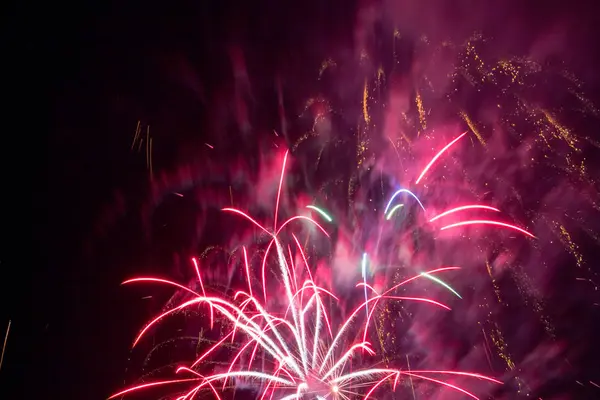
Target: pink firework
[
  {"x": 390, "y": 208},
  {"x": 296, "y": 348},
  {"x": 307, "y": 357}
]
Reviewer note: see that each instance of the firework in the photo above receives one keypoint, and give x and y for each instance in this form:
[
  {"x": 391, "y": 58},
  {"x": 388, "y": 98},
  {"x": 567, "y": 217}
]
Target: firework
[
  {"x": 298, "y": 351},
  {"x": 308, "y": 358}
]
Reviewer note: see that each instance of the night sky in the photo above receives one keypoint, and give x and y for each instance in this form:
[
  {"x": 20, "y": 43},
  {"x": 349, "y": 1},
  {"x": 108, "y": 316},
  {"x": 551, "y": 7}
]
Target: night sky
[{"x": 106, "y": 66}]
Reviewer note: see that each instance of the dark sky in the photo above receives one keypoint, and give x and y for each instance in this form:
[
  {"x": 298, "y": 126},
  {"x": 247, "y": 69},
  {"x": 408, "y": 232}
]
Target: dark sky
[{"x": 106, "y": 66}]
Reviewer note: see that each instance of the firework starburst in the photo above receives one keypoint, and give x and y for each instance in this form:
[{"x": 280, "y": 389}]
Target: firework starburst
[{"x": 298, "y": 348}]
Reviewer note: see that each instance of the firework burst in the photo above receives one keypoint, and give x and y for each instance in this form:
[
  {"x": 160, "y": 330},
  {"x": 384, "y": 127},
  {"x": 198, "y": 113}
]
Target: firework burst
[
  {"x": 299, "y": 349},
  {"x": 308, "y": 358}
]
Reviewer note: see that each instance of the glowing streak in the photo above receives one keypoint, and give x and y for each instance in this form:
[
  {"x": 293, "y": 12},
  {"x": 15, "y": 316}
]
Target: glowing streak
[
  {"x": 206, "y": 353},
  {"x": 303, "y": 257},
  {"x": 365, "y": 106},
  {"x": 249, "y": 218},
  {"x": 364, "y": 274},
  {"x": 323, "y": 213},
  {"x": 469, "y": 207},
  {"x": 458, "y": 373},
  {"x": 421, "y": 299},
  {"x": 379, "y": 383},
  {"x": 393, "y": 210},
  {"x": 293, "y": 269},
  {"x": 394, "y": 146},
  {"x": 433, "y": 160},
  {"x": 197, "y": 268},
  {"x": 302, "y": 217},
  {"x": 417, "y": 276},
  {"x": 316, "y": 337},
  {"x": 247, "y": 271},
  {"x": 485, "y": 222},
  {"x": 364, "y": 373},
  {"x": 402, "y": 191},
  {"x": 279, "y": 190},
  {"x": 367, "y": 286},
  {"x": 264, "y": 269},
  {"x": 4, "y": 345},
  {"x": 441, "y": 282},
  {"x": 443, "y": 383},
  {"x": 410, "y": 378},
  {"x": 347, "y": 355}
]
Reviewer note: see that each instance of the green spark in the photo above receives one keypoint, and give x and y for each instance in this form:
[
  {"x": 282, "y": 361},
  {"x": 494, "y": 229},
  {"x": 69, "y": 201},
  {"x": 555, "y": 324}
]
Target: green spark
[
  {"x": 393, "y": 210},
  {"x": 441, "y": 282},
  {"x": 323, "y": 213}
]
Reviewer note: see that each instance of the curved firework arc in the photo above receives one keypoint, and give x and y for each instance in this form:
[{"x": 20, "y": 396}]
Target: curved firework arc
[
  {"x": 398, "y": 192},
  {"x": 389, "y": 213}
]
